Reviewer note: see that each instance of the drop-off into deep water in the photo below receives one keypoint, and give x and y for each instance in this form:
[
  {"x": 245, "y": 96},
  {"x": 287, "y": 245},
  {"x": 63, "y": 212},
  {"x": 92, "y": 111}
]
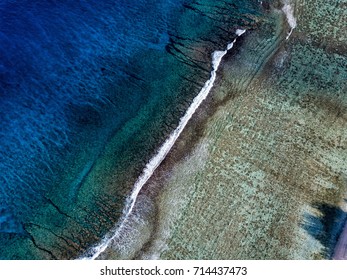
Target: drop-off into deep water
[
  {"x": 260, "y": 173},
  {"x": 88, "y": 92}
]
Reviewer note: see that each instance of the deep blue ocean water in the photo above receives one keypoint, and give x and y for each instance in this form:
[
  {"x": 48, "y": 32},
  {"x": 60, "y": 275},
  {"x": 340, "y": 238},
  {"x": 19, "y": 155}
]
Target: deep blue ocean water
[{"x": 88, "y": 91}]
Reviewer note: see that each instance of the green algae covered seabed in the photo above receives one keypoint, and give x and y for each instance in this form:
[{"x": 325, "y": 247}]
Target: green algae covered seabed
[{"x": 261, "y": 170}]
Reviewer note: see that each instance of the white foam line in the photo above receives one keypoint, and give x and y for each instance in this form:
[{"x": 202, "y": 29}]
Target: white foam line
[
  {"x": 152, "y": 165},
  {"x": 289, "y": 12}
]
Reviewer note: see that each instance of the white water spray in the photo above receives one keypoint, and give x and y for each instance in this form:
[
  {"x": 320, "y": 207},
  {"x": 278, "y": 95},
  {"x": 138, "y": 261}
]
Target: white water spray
[
  {"x": 152, "y": 165},
  {"x": 289, "y": 12}
]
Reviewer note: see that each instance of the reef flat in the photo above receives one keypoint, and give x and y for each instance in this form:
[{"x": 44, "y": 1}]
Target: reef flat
[
  {"x": 260, "y": 171},
  {"x": 188, "y": 129}
]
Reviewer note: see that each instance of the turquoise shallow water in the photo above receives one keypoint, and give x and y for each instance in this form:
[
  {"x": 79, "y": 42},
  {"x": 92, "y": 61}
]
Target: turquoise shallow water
[{"x": 89, "y": 90}]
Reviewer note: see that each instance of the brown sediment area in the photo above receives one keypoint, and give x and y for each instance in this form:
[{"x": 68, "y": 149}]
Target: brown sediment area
[{"x": 260, "y": 170}]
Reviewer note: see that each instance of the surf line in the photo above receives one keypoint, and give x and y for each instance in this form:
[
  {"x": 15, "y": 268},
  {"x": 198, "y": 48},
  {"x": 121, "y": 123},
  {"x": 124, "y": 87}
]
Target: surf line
[
  {"x": 152, "y": 165},
  {"x": 289, "y": 12}
]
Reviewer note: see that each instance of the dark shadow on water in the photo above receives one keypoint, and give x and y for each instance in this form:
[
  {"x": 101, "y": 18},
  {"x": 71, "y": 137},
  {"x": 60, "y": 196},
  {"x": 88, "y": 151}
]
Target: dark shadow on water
[{"x": 326, "y": 227}]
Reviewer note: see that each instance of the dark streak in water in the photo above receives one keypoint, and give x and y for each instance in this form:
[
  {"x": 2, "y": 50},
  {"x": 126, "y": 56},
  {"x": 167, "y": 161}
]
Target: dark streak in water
[{"x": 327, "y": 227}]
